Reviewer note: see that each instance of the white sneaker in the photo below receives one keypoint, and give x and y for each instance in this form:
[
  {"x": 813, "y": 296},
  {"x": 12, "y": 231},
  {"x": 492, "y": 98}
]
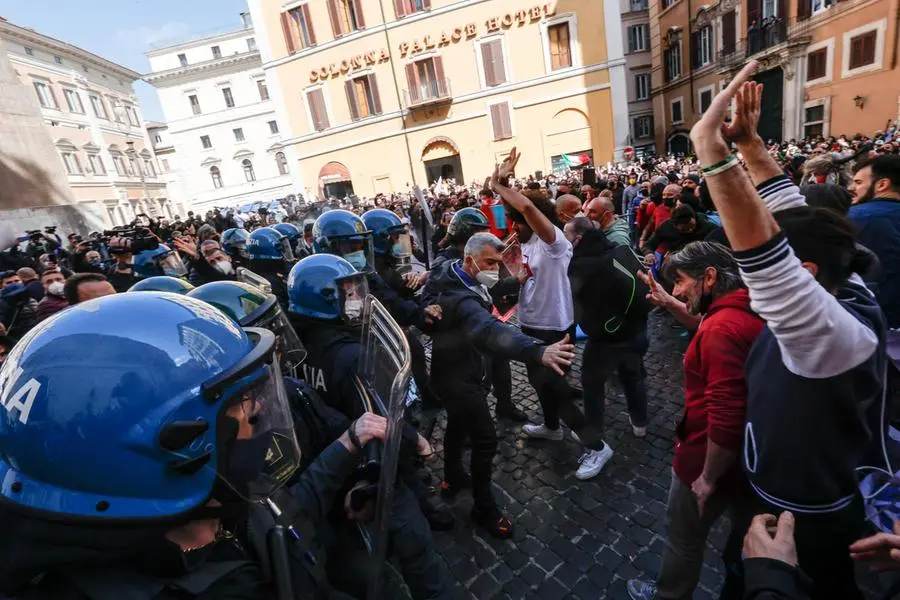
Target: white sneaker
[
  {"x": 592, "y": 462},
  {"x": 639, "y": 432},
  {"x": 541, "y": 432}
]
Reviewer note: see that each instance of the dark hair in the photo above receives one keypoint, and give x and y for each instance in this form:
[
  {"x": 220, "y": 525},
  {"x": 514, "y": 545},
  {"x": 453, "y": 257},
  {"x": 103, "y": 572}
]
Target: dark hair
[
  {"x": 51, "y": 270},
  {"x": 828, "y": 195},
  {"x": 884, "y": 166},
  {"x": 824, "y": 237},
  {"x": 581, "y": 225},
  {"x": 706, "y": 201},
  {"x": 540, "y": 201},
  {"x": 682, "y": 215},
  {"x": 7, "y": 342},
  {"x": 7, "y": 274},
  {"x": 696, "y": 257},
  {"x": 71, "y": 288}
]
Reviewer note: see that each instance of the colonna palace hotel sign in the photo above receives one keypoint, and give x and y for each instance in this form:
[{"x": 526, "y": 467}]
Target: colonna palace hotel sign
[{"x": 431, "y": 41}]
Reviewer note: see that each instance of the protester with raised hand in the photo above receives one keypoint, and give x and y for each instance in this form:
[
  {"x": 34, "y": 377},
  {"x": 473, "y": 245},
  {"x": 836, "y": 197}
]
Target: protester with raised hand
[{"x": 816, "y": 374}]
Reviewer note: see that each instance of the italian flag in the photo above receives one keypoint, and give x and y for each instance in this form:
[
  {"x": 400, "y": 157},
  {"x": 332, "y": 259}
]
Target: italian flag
[{"x": 576, "y": 161}]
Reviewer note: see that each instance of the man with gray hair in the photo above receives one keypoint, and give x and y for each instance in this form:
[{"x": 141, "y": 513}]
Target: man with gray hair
[
  {"x": 707, "y": 478},
  {"x": 462, "y": 342}
]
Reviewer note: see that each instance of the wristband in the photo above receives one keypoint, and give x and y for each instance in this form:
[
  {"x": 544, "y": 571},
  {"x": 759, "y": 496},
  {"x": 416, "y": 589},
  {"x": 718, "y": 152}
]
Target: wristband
[
  {"x": 354, "y": 439},
  {"x": 721, "y": 166}
]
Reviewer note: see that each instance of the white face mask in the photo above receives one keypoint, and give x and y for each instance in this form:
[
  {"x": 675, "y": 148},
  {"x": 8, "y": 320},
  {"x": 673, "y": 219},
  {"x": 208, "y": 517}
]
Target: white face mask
[
  {"x": 224, "y": 267},
  {"x": 56, "y": 288},
  {"x": 488, "y": 278},
  {"x": 353, "y": 309}
]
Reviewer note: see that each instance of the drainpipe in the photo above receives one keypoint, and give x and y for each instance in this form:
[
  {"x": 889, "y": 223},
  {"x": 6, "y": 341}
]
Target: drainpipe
[
  {"x": 691, "y": 63},
  {"x": 896, "y": 34},
  {"x": 387, "y": 40}
]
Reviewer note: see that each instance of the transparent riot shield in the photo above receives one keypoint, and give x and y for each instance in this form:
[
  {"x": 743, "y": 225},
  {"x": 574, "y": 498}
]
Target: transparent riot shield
[
  {"x": 245, "y": 275},
  {"x": 384, "y": 371}
]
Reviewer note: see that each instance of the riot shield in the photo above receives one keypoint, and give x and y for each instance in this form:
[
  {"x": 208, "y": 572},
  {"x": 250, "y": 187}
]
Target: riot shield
[
  {"x": 384, "y": 371},
  {"x": 245, "y": 275}
]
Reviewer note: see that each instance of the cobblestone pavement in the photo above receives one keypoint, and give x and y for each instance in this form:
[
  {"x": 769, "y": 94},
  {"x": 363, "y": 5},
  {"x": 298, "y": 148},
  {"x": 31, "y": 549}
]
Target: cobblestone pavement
[{"x": 576, "y": 539}]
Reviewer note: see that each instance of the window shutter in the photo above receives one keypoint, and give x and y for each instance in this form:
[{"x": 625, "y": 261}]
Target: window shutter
[
  {"x": 501, "y": 121},
  {"x": 309, "y": 25},
  {"x": 803, "y": 9},
  {"x": 360, "y": 19},
  {"x": 426, "y": 4},
  {"x": 376, "y": 97},
  {"x": 413, "y": 83},
  {"x": 496, "y": 121},
  {"x": 487, "y": 59},
  {"x": 499, "y": 62},
  {"x": 400, "y": 8},
  {"x": 286, "y": 28},
  {"x": 506, "y": 120},
  {"x": 728, "y": 31},
  {"x": 753, "y": 11},
  {"x": 336, "y": 25},
  {"x": 565, "y": 50},
  {"x": 317, "y": 109},
  {"x": 695, "y": 49},
  {"x": 441, "y": 85},
  {"x": 350, "y": 88}
]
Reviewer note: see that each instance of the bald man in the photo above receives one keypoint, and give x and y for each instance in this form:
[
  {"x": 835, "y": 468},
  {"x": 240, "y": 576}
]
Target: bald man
[
  {"x": 567, "y": 208},
  {"x": 601, "y": 210},
  {"x": 32, "y": 284}
]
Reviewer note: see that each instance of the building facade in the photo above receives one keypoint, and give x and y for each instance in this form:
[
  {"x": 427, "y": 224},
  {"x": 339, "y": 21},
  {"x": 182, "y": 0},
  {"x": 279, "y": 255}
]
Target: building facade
[
  {"x": 88, "y": 110},
  {"x": 829, "y": 67},
  {"x": 226, "y": 141},
  {"x": 169, "y": 166},
  {"x": 383, "y": 94},
  {"x": 638, "y": 63}
]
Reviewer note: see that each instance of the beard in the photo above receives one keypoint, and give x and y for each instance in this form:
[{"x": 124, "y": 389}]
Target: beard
[{"x": 867, "y": 196}]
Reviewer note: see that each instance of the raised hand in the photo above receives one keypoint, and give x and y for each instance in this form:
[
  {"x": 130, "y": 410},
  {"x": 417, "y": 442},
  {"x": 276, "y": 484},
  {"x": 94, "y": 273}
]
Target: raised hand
[
  {"x": 743, "y": 127},
  {"x": 708, "y": 130}
]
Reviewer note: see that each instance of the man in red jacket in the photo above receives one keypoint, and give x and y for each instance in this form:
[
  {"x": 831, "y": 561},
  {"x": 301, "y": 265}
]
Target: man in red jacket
[{"x": 707, "y": 478}]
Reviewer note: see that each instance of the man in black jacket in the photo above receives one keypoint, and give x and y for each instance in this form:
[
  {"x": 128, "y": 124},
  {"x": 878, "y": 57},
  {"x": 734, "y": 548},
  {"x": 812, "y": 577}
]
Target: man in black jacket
[{"x": 465, "y": 334}]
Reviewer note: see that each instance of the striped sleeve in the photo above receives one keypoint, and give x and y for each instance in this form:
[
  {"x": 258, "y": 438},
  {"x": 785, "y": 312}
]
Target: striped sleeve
[
  {"x": 817, "y": 336},
  {"x": 780, "y": 193}
]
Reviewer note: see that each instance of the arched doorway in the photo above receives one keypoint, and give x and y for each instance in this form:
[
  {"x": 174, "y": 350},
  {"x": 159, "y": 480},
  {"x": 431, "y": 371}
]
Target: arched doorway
[
  {"x": 679, "y": 143},
  {"x": 441, "y": 158},
  {"x": 334, "y": 181},
  {"x": 567, "y": 139}
]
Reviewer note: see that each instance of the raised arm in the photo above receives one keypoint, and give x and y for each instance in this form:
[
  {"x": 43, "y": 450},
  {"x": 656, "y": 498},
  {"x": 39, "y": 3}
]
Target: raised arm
[{"x": 540, "y": 224}]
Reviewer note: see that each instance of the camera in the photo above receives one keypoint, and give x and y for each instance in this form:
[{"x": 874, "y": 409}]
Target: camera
[
  {"x": 129, "y": 239},
  {"x": 51, "y": 229},
  {"x": 34, "y": 235}
]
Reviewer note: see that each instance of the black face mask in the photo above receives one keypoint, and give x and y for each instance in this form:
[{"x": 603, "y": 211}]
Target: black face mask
[{"x": 246, "y": 461}]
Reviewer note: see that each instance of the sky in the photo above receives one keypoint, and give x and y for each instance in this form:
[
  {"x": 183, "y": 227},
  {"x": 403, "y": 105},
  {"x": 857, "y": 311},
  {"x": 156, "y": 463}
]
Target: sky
[{"x": 123, "y": 30}]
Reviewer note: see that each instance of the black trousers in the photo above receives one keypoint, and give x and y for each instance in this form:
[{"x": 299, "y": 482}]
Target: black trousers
[
  {"x": 602, "y": 359},
  {"x": 501, "y": 381}
]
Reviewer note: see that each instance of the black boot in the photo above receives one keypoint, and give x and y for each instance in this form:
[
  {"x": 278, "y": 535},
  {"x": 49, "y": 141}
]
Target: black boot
[
  {"x": 493, "y": 521},
  {"x": 510, "y": 412}
]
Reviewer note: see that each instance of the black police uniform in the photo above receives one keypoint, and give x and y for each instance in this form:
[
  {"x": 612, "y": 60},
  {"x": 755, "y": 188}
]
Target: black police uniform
[
  {"x": 275, "y": 272},
  {"x": 331, "y": 369}
]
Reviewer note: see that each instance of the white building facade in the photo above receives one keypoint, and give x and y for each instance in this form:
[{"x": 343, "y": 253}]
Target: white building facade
[{"x": 224, "y": 135}]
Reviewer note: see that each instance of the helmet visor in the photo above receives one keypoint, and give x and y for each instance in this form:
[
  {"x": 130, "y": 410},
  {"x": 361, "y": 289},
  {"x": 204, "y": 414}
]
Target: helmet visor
[
  {"x": 288, "y": 347},
  {"x": 264, "y": 453},
  {"x": 357, "y": 250},
  {"x": 401, "y": 244},
  {"x": 171, "y": 264},
  {"x": 286, "y": 249},
  {"x": 353, "y": 290},
  {"x": 237, "y": 247}
]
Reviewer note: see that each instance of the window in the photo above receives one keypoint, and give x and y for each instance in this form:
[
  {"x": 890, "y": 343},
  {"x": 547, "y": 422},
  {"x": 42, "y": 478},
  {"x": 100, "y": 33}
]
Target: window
[
  {"x": 706, "y": 98},
  {"x": 57, "y": 59},
  {"x": 29, "y": 51},
  {"x": 132, "y": 116},
  {"x": 119, "y": 164},
  {"x": 73, "y": 167},
  {"x": 45, "y": 95},
  {"x": 814, "y": 121},
  {"x": 238, "y": 134},
  {"x": 639, "y": 38},
  {"x": 216, "y": 52},
  {"x": 816, "y": 63},
  {"x": 134, "y": 170},
  {"x": 263, "y": 90},
  {"x": 281, "y": 161},
  {"x": 116, "y": 109},
  {"x": 672, "y": 57},
  {"x": 819, "y": 5},
  {"x": 99, "y": 107},
  {"x": 560, "y": 46},
  {"x": 229, "y": 99},
  {"x": 493, "y": 62},
  {"x": 408, "y": 7},
  {"x": 668, "y": 3},
  {"x": 729, "y": 32},
  {"x": 195, "y": 104},
  {"x": 317, "y": 110},
  {"x": 426, "y": 80},
  {"x": 149, "y": 169},
  {"x": 639, "y": 5},
  {"x": 862, "y": 49},
  {"x": 165, "y": 165},
  {"x": 249, "y": 175},
  {"x": 273, "y": 127},
  {"x": 642, "y": 86},
  {"x": 157, "y": 139},
  {"x": 677, "y": 115},
  {"x": 362, "y": 97},
  {"x": 205, "y": 142},
  {"x": 298, "y": 31},
  {"x": 501, "y": 120},
  {"x": 183, "y": 60},
  {"x": 643, "y": 127},
  {"x": 85, "y": 68},
  {"x": 216, "y": 177},
  {"x": 769, "y": 8},
  {"x": 346, "y": 16},
  {"x": 702, "y": 46},
  {"x": 96, "y": 162},
  {"x": 73, "y": 99},
  {"x": 251, "y": 44}
]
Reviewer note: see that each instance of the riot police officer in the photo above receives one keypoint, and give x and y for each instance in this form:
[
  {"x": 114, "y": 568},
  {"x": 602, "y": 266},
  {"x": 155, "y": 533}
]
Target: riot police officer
[
  {"x": 327, "y": 299},
  {"x": 175, "y": 488},
  {"x": 159, "y": 261},
  {"x": 162, "y": 283},
  {"x": 393, "y": 248},
  {"x": 234, "y": 243},
  {"x": 464, "y": 223},
  {"x": 271, "y": 257},
  {"x": 292, "y": 233}
]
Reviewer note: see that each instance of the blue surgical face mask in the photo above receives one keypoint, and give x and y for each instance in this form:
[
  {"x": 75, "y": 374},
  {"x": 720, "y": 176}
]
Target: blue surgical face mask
[
  {"x": 94, "y": 261},
  {"x": 398, "y": 250},
  {"x": 357, "y": 259}
]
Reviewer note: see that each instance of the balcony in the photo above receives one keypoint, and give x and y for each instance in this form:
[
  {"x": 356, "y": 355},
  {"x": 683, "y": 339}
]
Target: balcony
[
  {"x": 770, "y": 37},
  {"x": 639, "y": 5},
  {"x": 428, "y": 93}
]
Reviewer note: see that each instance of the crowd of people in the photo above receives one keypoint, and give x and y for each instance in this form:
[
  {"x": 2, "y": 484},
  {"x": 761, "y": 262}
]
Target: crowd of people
[{"x": 189, "y": 410}]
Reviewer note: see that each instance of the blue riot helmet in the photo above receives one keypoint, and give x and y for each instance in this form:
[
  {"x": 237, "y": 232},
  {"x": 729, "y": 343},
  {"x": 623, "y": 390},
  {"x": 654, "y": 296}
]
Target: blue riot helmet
[
  {"x": 139, "y": 407},
  {"x": 291, "y": 232},
  {"x": 389, "y": 234},
  {"x": 234, "y": 243},
  {"x": 465, "y": 223},
  {"x": 162, "y": 283},
  {"x": 267, "y": 243},
  {"x": 159, "y": 261},
  {"x": 344, "y": 234},
  {"x": 328, "y": 288}
]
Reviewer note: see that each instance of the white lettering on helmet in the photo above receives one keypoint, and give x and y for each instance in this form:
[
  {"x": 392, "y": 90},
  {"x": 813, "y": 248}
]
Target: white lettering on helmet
[{"x": 23, "y": 399}]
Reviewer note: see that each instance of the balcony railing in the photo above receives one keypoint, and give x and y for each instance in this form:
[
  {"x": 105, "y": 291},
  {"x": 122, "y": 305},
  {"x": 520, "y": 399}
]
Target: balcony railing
[
  {"x": 428, "y": 93},
  {"x": 768, "y": 34},
  {"x": 638, "y": 5}
]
